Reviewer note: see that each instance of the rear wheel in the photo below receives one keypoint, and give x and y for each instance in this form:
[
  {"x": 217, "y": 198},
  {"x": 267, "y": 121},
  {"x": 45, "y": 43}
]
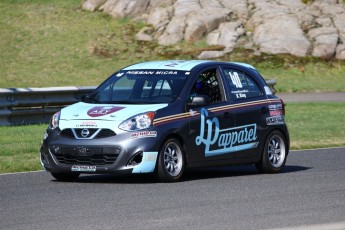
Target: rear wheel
[
  {"x": 65, "y": 176},
  {"x": 171, "y": 161},
  {"x": 275, "y": 153}
]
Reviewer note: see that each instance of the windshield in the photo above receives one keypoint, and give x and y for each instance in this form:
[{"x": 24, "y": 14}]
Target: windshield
[{"x": 140, "y": 87}]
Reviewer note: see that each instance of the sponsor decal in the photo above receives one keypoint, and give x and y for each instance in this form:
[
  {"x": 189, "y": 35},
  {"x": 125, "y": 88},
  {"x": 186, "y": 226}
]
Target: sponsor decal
[
  {"x": 276, "y": 113},
  {"x": 143, "y": 134},
  {"x": 240, "y": 93},
  {"x": 80, "y": 168},
  {"x": 220, "y": 141},
  {"x": 235, "y": 78},
  {"x": 158, "y": 72},
  {"x": 278, "y": 120},
  {"x": 275, "y": 110},
  {"x": 275, "y": 106},
  {"x": 103, "y": 110},
  {"x": 87, "y": 124},
  {"x": 166, "y": 72}
]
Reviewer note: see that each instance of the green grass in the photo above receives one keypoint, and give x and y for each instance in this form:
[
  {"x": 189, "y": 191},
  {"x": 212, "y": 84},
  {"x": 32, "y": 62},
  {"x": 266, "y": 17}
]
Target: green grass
[
  {"x": 54, "y": 43},
  {"x": 311, "y": 125},
  {"x": 316, "y": 77},
  {"x": 20, "y": 148},
  {"x": 316, "y": 125}
]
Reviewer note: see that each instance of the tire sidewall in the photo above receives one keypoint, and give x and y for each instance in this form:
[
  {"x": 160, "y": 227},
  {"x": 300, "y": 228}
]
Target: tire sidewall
[
  {"x": 266, "y": 165},
  {"x": 162, "y": 173}
]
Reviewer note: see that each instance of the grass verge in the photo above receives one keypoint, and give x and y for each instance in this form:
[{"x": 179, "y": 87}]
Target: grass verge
[
  {"x": 316, "y": 125},
  {"x": 311, "y": 125}
]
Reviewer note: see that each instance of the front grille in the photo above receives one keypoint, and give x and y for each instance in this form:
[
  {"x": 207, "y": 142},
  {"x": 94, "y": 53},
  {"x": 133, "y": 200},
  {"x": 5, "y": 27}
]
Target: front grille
[
  {"x": 92, "y": 133},
  {"x": 105, "y": 133},
  {"x": 67, "y": 133},
  {"x": 86, "y": 160},
  {"x": 85, "y": 155}
]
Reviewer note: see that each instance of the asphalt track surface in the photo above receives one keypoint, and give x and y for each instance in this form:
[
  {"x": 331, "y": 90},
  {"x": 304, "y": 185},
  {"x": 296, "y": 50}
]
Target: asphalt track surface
[{"x": 311, "y": 191}]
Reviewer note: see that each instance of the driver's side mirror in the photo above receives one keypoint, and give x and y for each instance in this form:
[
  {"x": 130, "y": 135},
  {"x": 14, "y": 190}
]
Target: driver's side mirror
[
  {"x": 199, "y": 100},
  {"x": 88, "y": 99},
  {"x": 84, "y": 97}
]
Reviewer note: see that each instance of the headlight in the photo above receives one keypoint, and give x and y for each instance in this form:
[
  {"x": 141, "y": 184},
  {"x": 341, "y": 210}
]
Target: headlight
[
  {"x": 54, "y": 123},
  {"x": 138, "y": 122}
]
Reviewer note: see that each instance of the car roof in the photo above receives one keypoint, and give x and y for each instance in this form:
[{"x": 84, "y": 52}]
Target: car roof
[{"x": 184, "y": 65}]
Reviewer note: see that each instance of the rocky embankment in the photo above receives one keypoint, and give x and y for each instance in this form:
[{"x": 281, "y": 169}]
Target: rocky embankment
[{"x": 264, "y": 26}]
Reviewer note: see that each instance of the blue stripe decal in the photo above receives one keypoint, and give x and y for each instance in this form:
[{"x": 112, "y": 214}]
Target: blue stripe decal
[{"x": 148, "y": 163}]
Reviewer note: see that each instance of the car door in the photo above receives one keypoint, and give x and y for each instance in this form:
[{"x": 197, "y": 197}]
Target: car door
[
  {"x": 250, "y": 108},
  {"x": 206, "y": 121}
]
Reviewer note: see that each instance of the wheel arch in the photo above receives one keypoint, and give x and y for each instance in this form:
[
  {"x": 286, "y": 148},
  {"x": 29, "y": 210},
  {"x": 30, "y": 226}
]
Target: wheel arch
[
  {"x": 287, "y": 139},
  {"x": 182, "y": 142}
]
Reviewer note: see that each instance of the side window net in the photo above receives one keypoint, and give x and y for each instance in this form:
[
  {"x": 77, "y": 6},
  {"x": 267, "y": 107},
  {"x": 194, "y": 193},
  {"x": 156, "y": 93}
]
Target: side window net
[{"x": 207, "y": 84}]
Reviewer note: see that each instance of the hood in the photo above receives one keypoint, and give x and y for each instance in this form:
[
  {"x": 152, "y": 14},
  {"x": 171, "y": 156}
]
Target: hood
[{"x": 101, "y": 115}]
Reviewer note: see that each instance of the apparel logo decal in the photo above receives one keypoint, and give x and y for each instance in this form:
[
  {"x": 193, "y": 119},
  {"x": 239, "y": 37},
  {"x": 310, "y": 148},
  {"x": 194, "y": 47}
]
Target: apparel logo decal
[
  {"x": 220, "y": 141},
  {"x": 103, "y": 110}
]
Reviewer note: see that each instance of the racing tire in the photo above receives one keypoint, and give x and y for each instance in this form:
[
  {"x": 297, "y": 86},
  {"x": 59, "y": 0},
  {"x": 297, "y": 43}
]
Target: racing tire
[
  {"x": 171, "y": 161},
  {"x": 66, "y": 176},
  {"x": 274, "y": 155}
]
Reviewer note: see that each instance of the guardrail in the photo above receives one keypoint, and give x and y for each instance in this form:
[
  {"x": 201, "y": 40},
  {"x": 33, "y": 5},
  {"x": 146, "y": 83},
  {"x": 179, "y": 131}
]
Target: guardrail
[{"x": 21, "y": 106}]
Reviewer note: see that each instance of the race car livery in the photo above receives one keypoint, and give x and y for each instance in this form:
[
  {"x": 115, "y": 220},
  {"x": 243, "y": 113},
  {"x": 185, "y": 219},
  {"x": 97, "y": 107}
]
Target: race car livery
[{"x": 165, "y": 116}]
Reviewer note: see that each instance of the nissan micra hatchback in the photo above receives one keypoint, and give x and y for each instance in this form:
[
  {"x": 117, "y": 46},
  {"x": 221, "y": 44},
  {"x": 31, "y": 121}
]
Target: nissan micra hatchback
[{"x": 165, "y": 116}]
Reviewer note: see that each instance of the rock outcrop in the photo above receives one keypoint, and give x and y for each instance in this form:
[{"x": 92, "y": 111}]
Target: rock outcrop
[{"x": 265, "y": 26}]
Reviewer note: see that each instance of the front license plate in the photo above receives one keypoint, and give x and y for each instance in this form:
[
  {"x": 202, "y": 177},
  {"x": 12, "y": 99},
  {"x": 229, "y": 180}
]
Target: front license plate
[{"x": 81, "y": 168}]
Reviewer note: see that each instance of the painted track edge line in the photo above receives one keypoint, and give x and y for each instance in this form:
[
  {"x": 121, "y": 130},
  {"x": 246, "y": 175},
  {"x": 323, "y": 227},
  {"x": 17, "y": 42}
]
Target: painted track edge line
[
  {"x": 14, "y": 173},
  {"x": 300, "y": 150}
]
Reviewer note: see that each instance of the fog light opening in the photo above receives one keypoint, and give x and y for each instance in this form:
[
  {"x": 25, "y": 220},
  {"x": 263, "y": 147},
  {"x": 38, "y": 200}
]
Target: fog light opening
[{"x": 136, "y": 159}]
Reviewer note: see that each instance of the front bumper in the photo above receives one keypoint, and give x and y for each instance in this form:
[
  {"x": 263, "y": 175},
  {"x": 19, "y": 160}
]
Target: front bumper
[{"x": 117, "y": 154}]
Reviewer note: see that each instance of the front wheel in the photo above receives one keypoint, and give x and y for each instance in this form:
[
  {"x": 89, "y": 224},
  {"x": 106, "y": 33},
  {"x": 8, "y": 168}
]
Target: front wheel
[
  {"x": 275, "y": 152},
  {"x": 171, "y": 161},
  {"x": 65, "y": 176}
]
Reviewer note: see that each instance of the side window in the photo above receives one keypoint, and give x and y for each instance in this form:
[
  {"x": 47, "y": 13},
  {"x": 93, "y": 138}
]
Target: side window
[
  {"x": 241, "y": 85},
  {"x": 207, "y": 84}
]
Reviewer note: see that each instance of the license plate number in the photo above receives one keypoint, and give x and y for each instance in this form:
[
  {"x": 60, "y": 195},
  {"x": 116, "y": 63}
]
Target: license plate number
[{"x": 81, "y": 168}]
